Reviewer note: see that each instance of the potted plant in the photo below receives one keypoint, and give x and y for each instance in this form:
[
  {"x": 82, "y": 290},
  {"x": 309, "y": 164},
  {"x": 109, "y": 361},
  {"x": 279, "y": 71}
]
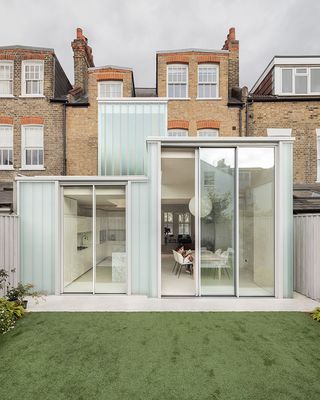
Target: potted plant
[{"x": 18, "y": 294}]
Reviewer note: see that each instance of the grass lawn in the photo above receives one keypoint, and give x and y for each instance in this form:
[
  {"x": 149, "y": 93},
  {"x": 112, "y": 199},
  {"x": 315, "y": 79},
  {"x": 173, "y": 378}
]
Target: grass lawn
[{"x": 216, "y": 356}]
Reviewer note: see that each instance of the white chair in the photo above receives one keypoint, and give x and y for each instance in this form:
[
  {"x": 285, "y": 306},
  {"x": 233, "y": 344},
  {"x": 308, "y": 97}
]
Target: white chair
[
  {"x": 175, "y": 260},
  {"x": 183, "y": 263}
]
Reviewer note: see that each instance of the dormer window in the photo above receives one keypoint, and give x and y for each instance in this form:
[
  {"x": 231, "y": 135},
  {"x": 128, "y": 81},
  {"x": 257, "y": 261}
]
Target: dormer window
[
  {"x": 300, "y": 80},
  {"x": 32, "y": 78},
  {"x": 208, "y": 78},
  {"x": 177, "y": 81},
  {"x": 110, "y": 89}
]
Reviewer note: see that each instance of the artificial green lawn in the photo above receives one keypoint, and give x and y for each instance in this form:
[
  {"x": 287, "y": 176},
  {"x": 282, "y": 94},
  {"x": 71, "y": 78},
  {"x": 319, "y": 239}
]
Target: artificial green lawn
[{"x": 165, "y": 356}]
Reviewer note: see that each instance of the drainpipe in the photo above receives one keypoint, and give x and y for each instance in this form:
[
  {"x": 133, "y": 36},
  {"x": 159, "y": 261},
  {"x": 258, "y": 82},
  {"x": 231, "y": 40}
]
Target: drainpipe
[{"x": 64, "y": 132}]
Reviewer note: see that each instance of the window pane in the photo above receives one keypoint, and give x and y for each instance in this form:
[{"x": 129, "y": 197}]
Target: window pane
[
  {"x": 315, "y": 80},
  {"x": 35, "y": 160},
  {"x": 301, "y": 84},
  {"x": 208, "y": 132},
  {"x": 28, "y": 157},
  {"x": 256, "y": 221},
  {"x": 287, "y": 81}
]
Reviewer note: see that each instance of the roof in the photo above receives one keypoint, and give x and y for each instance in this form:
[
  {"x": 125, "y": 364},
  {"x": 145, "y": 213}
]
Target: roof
[
  {"x": 192, "y": 50},
  {"x": 146, "y": 92},
  {"x": 286, "y": 60},
  {"x": 110, "y": 67},
  {"x": 306, "y": 198},
  {"x": 20, "y": 47}
]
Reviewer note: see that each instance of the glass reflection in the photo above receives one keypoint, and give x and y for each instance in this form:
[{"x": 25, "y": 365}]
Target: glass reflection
[{"x": 256, "y": 221}]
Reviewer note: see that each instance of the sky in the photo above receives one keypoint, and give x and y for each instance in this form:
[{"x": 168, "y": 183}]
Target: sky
[{"x": 129, "y": 32}]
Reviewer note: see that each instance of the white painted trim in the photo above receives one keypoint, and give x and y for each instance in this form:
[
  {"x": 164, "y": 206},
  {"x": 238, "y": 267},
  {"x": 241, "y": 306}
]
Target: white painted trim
[
  {"x": 220, "y": 141},
  {"x": 23, "y": 80},
  {"x": 57, "y": 237},
  {"x": 24, "y": 166},
  {"x": 158, "y": 230},
  {"x": 61, "y": 239},
  {"x": 278, "y": 225},
  {"x": 187, "y": 83},
  {"x": 11, "y": 64},
  {"x": 279, "y": 132},
  {"x": 197, "y": 196},
  {"x": 94, "y": 240},
  {"x": 155, "y": 100},
  {"x": 112, "y": 82},
  {"x": 128, "y": 190},
  {"x": 86, "y": 179},
  {"x": 236, "y": 255},
  {"x": 278, "y": 60},
  {"x": 208, "y": 83},
  {"x": 318, "y": 152}
]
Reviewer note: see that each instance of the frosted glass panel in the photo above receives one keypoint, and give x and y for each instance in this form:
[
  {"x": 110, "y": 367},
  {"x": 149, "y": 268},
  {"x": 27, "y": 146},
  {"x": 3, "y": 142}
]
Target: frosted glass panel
[
  {"x": 37, "y": 227},
  {"x": 123, "y": 129},
  {"x": 256, "y": 221}
]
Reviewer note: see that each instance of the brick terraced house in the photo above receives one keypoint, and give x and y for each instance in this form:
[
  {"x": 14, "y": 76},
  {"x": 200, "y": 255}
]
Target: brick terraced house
[
  {"x": 285, "y": 101},
  {"x": 33, "y": 89},
  {"x": 152, "y": 169}
]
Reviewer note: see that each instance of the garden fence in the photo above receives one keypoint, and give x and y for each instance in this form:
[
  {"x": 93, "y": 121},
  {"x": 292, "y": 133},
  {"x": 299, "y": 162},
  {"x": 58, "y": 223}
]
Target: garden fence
[
  {"x": 307, "y": 255},
  {"x": 9, "y": 246}
]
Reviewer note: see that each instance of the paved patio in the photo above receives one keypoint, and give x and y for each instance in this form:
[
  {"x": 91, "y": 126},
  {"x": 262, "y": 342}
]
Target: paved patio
[{"x": 111, "y": 303}]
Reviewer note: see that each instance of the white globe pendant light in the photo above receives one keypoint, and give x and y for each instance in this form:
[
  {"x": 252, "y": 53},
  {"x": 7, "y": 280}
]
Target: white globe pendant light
[{"x": 205, "y": 207}]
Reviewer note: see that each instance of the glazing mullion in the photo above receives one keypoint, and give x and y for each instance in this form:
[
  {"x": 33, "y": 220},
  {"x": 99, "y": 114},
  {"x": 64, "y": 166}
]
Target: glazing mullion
[
  {"x": 93, "y": 239},
  {"x": 236, "y": 225}
]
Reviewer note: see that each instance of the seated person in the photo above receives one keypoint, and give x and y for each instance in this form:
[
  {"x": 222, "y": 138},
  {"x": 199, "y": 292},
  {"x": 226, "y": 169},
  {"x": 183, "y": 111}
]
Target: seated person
[{"x": 187, "y": 257}]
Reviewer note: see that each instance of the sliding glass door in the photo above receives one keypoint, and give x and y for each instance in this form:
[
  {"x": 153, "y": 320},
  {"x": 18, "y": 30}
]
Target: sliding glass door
[
  {"x": 217, "y": 216},
  {"x": 237, "y": 205},
  {"x": 94, "y": 239}
]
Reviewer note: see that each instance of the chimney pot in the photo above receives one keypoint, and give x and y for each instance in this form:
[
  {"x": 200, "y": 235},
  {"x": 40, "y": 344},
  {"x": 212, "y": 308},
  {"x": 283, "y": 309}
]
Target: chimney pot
[
  {"x": 232, "y": 34},
  {"x": 79, "y": 33}
]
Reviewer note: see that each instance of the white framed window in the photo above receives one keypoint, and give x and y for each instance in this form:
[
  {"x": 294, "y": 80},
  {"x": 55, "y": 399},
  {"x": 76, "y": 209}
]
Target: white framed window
[
  {"x": 300, "y": 80},
  {"x": 32, "y": 147},
  {"x": 184, "y": 223},
  {"x": 318, "y": 154},
  {"x": 208, "y": 81},
  {"x": 168, "y": 223},
  {"x": 110, "y": 89},
  {"x": 6, "y": 78},
  {"x": 32, "y": 78},
  {"x": 6, "y": 147},
  {"x": 177, "y": 78},
  {"x": 208, "y": 132},
  {"x": 177, "y": 132}
]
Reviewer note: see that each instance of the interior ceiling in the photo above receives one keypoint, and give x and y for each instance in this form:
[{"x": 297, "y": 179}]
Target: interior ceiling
[
  {"x": 103, "y": 202},
  {"x": 178, "y": 171}
]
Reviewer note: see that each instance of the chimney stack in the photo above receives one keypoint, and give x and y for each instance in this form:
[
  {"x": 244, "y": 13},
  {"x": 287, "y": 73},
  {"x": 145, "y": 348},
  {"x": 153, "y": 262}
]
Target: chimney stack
[
  {"x": 232, "y": 45},
  {"x": 82, "y": 60}
]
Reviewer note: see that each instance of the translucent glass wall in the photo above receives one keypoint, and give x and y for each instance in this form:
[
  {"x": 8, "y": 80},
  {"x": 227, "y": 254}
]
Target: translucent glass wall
[
  {"x": 123, "y": 129},
  {"x": 37, "y": 234}
]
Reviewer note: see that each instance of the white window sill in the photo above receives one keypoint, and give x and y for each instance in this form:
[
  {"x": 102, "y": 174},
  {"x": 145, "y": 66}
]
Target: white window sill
[
  {"x": 179, "y": 98},
  {"x": 32, "y": 168},
  {"x": 209, "y": 98},
  {"x": 6, "y": 96},
  {"x": 298, "y": 94},
  {"x": 6, "y": 167},
  {"x": 28, "y": 96}
]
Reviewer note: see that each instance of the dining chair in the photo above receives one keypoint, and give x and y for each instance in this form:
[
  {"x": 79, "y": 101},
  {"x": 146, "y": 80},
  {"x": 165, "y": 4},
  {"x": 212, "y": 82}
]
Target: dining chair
[{"x": 182, "y": 263}]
